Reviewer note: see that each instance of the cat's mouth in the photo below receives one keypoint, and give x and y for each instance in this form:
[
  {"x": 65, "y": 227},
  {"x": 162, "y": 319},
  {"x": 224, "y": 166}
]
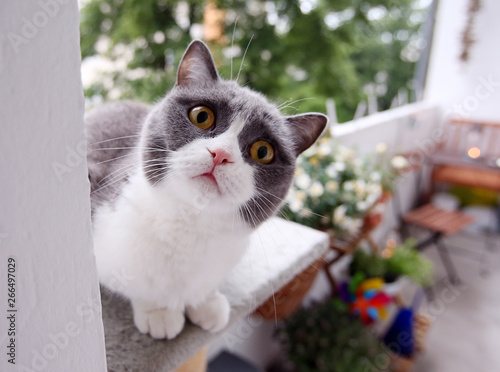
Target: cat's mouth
[{"x": 209, "y": 177}]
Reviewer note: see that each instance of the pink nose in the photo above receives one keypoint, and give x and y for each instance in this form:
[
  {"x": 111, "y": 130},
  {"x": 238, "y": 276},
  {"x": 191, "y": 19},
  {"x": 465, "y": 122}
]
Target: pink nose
[{"x": 220, "y": 157}]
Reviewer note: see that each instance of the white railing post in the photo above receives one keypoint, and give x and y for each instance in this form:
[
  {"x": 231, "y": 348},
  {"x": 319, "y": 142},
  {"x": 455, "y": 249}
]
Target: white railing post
[{"x": 50, "y": 312}]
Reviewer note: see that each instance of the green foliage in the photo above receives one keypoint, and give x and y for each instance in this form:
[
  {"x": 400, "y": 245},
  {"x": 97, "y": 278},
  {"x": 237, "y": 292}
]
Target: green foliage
[
  {"x": 332, "y": 50},
  {"x": 372, "y": 266},
  {"x": 404, "y": 260},
  {"x": 324, "y": 337},
  {"x": 475, "y": 196}
]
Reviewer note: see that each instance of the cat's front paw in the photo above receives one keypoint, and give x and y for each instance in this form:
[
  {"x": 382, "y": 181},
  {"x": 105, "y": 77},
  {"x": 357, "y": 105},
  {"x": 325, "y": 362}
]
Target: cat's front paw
[
  {"x": 159, "y": 323},
  {"x": 213, "y": 314}
]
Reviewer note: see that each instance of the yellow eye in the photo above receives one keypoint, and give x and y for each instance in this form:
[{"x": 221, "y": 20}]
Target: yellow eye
[
  {"x": 262, "y": 152},
  {"x": 202, "y": 117}
]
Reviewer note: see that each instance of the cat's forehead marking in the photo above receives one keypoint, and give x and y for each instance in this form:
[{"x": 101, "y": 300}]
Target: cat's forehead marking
[{"x": 237, "y": 125}]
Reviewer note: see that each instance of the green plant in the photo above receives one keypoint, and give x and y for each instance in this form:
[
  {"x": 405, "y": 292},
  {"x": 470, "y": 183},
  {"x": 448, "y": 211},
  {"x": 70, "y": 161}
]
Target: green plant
[
  {"x": 324, "y": 337},
  {"x": 371, "y": 266},
  {"x": 406, "y": 260},
  {"x": 403, "y": 260}
]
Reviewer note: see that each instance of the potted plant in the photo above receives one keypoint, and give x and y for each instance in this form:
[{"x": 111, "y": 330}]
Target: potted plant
[
  {"x": 325, "y": 337},
  {"x": 334, "y": 189},
  {"x": 406, "y": 260},
  {"x": 397, "y": 261}
]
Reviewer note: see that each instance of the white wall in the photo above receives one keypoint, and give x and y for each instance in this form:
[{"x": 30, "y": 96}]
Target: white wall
[
  {"x": 469, "y": 90},
  {"x": 44, "y": 203}
]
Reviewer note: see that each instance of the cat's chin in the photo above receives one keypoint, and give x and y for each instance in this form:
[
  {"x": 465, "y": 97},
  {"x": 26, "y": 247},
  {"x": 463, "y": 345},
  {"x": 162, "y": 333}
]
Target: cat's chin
[{"x": 208, "y": 184}]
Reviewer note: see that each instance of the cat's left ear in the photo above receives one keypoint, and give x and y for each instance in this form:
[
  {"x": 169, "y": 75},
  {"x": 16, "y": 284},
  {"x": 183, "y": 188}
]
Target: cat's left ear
[
  {"x": 306, "y": 129},
  {"x": 197, "y": 67}
]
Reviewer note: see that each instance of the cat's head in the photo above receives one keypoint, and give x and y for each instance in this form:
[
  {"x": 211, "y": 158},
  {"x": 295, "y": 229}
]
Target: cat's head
[{"x": 221, "y": 146}]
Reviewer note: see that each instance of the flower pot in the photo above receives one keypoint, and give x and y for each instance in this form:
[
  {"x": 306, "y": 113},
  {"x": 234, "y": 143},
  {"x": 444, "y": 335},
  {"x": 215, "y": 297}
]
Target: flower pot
[
  {"x": 289, "y": 298},
  {"x": 372, "y": 220}
]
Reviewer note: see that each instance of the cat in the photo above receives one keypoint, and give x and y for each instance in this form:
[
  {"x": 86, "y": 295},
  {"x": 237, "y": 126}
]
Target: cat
[{"x": 177, "y": 188}]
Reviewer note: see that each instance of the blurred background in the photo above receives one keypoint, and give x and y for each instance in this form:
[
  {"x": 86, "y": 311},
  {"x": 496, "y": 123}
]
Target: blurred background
[
  {"x": 413, "y": 151},
  {"x": 348, "y": 51}
]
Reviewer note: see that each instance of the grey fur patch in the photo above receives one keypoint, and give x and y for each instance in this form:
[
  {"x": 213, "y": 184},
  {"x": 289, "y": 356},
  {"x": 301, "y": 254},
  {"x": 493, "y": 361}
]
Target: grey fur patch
[{"x": 113, "y": 132}]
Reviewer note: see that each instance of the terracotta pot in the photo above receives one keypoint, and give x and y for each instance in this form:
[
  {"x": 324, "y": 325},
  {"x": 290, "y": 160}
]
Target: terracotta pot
[
  {"x": 372, "y": 220},
  {"x": 289, "y": 298}
]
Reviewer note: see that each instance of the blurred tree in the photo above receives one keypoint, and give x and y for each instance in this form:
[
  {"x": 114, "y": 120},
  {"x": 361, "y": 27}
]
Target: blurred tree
[{"x": 299, "y": 50}]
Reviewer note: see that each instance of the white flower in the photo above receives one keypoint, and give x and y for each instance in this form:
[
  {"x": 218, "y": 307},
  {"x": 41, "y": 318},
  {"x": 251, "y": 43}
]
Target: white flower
[
  {"x": 339, "y": 166},
  {"x": 296, "y": 205},
  {"x": 381, "y": 148},
  {"x": 303, "y": 181},
  {"x": 306, "y": 212},
  {"x": 339, "y": 213},
  {"x": 363, "y": 206},
  {"x": 351, "y": 224},
  {"x": 324, "y": 150},
  {"x": 331, "y": 171},
  {"x": 399, "y": 162},
  {"x": 301, "y": 195},
  {"x": 345, "y": 152},
  {"x": 316, "y": 190},
  {"x": 358, "y": 162},
  {"x": 349, "y": 186},
  {"x": 375, "y": 176},
  {"x": 298, "y": 171},
  {"x": 332, "y": 186},
  {"x": 359, "y": 187},
  {"x": 374, "y": 190}
]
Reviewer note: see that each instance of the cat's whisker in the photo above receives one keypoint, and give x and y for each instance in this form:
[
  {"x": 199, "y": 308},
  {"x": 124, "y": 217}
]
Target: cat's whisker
[
  {"x": 136, "y": 148},
  {"x": 284, "y": 200},
  {"x": 113, "y": 159},
  {"x": 289, "y": 104},
  {"x": 121, "y": 173},
  {"x": 115, "y": 139},
  {"x": 243, "y": 59},
  {"x": 232, "y": 47},
  {"x": 279, "y": 211},
  {"x": 131, "y": 165},
  {"x": 267, "y": 261},
  {"x": 120, "y": 170}
]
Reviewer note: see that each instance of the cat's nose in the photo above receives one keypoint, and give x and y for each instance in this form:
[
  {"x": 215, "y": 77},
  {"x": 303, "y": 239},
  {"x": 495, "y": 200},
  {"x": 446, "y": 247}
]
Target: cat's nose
[{"x": 220, "y": 156}]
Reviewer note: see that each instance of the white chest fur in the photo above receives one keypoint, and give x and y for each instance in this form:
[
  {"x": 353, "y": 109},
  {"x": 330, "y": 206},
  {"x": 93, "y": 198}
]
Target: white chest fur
[{"x": 164, "y": 251}]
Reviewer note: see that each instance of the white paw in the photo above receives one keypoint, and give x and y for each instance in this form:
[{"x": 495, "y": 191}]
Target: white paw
[
  {"x": 159, "y": 323},
  {"x": 212, "y": 315}
]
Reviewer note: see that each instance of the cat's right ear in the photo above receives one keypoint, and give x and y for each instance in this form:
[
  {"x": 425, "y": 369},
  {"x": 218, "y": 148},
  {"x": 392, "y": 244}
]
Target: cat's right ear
[
  {"x": 306, "y": 129},
  {"x": 197, "y": 67}
]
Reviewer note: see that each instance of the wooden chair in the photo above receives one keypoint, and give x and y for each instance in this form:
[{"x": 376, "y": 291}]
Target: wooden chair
[
  {"x": 439, "y": 223},
  {"x": 466, "y": 157}
]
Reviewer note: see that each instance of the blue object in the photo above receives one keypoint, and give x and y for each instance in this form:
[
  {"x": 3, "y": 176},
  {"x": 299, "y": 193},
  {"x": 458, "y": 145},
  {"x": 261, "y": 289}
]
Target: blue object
[
  {"x": 227, "y": 362},
  {"x": 400, "y": 338}
]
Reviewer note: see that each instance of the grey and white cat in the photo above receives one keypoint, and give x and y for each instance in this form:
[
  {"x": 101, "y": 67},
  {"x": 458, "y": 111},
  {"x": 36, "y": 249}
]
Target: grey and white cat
[{"x": 177, "y": 188}]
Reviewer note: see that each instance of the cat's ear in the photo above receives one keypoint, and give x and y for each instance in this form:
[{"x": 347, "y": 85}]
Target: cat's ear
[
  {"x": 197, "y": 67},
  {"x": 306, "y": 129}
]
